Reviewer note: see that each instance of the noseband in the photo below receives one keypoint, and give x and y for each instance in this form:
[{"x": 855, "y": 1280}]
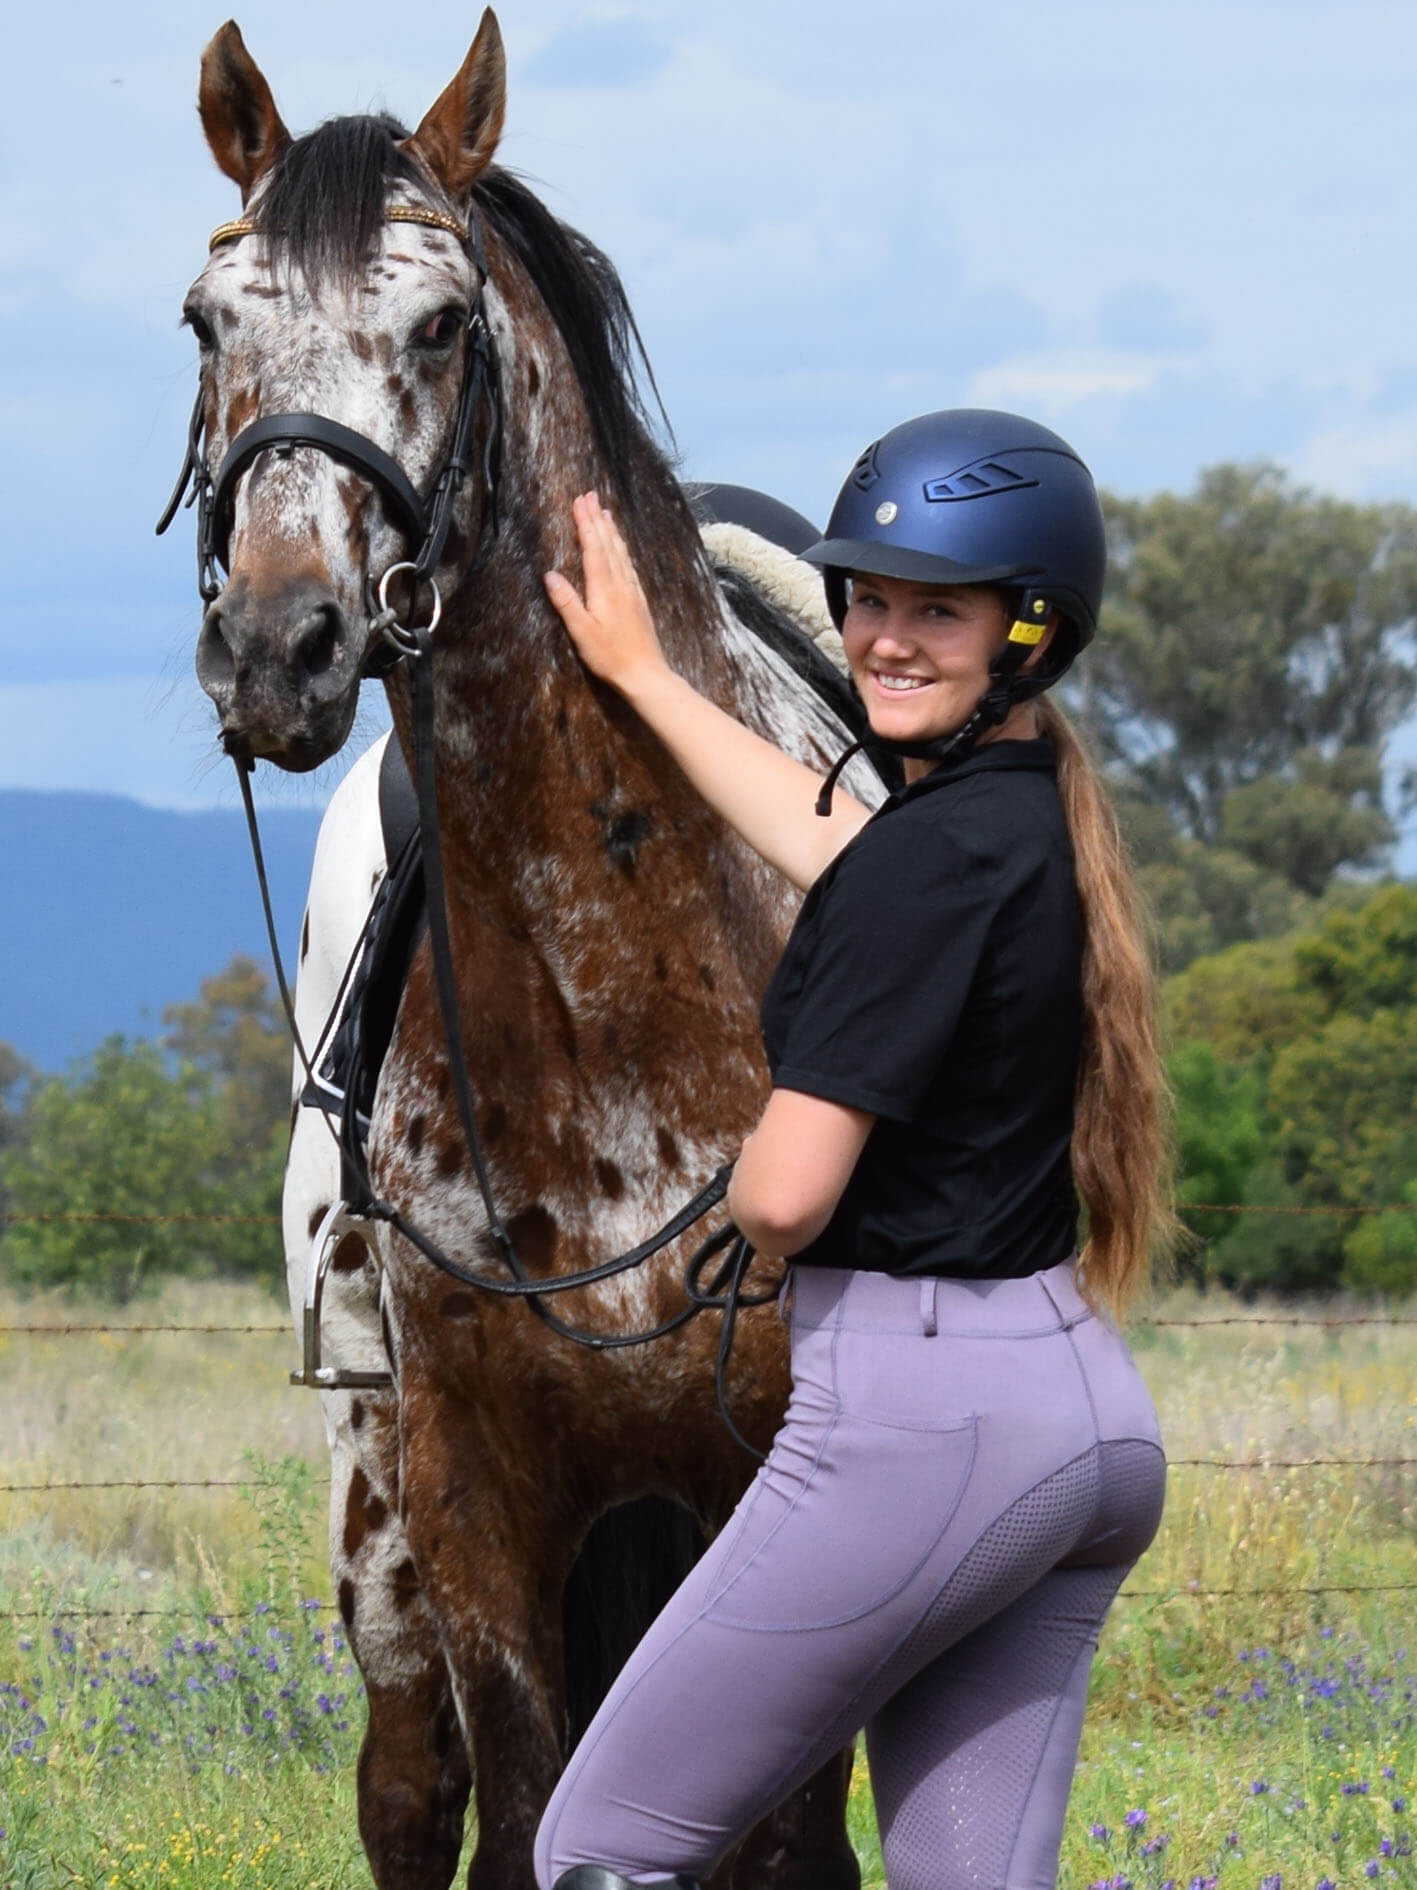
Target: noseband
[{"x": 424, "y": 522}]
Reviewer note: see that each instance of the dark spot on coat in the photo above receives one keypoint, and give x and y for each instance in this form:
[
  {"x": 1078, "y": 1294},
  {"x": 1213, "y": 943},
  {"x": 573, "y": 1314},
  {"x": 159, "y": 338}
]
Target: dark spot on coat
[
  {"x": 362, "y": 346},
  {"x": 408, "y": 411},
  {"x": 610, "y": 1039},
  {"x": 266, "y": 291},
  {"x": 312, "y": 1226},
  {"x": 668, "y": 1146},
  {"x": 450, "y": 1160},
  {"x": 611, "y": 1180},
  {"x": 305, "y": 938},
  {"x": 356, "y": 1413},
  {"x": 494, "y": 1122},
  {"x": 346, "y": 1602},
  {"x": 403, "y": 1585},
  {"x": 364, "y": 1513},
  {"x": 661, "y": 967},
  {"x": 457, "y": 1305},
  {"x": 349, "y": 1255},
  {"x": 416, "y": 1128},
  {"x": 707, "y": 979},
  {"x": 625, "y": 834},
  {"x": 533, "y": 1233},
  {"x": 533, "y": 377}
]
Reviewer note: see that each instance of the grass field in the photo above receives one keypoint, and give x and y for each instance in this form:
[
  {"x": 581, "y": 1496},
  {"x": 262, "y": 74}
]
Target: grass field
[{"x": 1252, "y": 1742}]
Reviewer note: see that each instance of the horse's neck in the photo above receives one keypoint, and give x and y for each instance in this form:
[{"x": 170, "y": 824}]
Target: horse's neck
[{"x": 567, "y": 824}]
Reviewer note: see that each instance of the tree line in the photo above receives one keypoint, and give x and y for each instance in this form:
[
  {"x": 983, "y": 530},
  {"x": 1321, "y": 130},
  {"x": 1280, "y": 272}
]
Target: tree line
[{"x": 1255, "y": 655}]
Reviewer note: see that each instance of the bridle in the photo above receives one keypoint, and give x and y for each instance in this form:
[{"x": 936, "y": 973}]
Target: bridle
[
  {"x": 427, "y": 521},
  {"x": 423, "y": 521}
]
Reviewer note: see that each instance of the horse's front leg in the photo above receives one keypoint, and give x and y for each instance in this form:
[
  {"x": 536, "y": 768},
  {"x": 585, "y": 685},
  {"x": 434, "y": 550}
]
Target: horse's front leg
[
  {"x": 492, "y": 1568},
  {"x": 413, "y": 1777}
]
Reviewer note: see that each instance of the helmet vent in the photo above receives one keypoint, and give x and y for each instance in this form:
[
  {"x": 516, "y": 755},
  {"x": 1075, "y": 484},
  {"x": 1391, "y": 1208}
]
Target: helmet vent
[
  {"x": 866, "y": 472},
  {"x": 976, "y": 483}
]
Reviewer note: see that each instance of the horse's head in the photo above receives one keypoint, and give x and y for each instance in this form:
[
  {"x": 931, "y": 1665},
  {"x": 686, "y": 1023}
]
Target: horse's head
[{"x": 345, "y": 293}]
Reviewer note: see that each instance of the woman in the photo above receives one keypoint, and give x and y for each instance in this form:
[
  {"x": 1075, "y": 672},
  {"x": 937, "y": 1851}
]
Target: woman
[{"x": 960, "y": 1030}]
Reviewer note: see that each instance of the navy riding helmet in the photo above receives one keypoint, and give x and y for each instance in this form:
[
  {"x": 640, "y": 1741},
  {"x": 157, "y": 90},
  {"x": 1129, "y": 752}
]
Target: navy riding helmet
[{"x": 970, "y": 496}]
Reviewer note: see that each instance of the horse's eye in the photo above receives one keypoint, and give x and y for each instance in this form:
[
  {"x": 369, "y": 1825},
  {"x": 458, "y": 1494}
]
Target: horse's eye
[
  {"x": 197, "y": 322},
  {"x": 438, "y": 335}
]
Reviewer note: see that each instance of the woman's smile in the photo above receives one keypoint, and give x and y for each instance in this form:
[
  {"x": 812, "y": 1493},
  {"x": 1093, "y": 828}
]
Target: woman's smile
[{"x": 920, "y": 653}]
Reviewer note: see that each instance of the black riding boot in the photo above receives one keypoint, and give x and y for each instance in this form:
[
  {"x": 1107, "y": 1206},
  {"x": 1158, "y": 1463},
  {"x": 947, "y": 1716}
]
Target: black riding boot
[{"x": 597, "y": 1877}]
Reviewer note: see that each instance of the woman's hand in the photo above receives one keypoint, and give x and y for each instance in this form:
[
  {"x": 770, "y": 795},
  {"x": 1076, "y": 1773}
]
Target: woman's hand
[{"x": 611, "y": 626}]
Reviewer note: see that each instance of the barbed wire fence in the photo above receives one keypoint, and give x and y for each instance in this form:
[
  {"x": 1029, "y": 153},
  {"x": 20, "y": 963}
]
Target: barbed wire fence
[{"x": 276, "y": 1329}]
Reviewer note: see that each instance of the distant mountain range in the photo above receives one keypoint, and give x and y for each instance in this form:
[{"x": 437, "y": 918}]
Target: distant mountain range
[{"x": 110, "y": 910}]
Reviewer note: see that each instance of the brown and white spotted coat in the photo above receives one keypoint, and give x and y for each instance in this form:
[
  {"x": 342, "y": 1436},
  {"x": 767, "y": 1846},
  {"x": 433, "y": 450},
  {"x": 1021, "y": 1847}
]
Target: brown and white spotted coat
[{"x": 612, "y": 941}]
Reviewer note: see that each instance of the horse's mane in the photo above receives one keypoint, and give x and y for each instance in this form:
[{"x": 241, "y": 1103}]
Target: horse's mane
[{"x": 324, "y": 203}]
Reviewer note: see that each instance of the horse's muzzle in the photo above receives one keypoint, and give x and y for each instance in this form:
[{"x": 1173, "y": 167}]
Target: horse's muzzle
[{"x": 283, "y": 670}]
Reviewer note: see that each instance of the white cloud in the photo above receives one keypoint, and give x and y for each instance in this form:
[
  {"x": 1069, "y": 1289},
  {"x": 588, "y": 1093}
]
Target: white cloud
[
  {"x": 1365, "y": 456},
  {"x": 1051, "y": 384}
]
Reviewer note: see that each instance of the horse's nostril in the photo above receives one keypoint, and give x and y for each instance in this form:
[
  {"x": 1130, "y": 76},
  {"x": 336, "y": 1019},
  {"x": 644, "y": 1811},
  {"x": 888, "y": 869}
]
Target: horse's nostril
[
  {"x": 216, "y": 667},
  {"x": 319, "y": 641}
]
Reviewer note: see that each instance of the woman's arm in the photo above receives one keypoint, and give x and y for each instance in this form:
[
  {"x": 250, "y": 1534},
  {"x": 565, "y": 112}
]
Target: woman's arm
[
  {"x": 793, "y": 1169},
  {"x": 761, "y": 792}
]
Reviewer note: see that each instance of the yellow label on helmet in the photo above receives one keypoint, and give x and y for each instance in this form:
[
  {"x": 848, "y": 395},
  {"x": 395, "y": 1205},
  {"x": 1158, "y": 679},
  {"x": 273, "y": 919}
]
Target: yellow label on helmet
[{"x": 1027, "y": 632}]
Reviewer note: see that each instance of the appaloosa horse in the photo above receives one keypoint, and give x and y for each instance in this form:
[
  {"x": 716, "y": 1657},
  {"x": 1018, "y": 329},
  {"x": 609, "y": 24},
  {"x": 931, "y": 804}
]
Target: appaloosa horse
[{"x": 610, "y": 936}]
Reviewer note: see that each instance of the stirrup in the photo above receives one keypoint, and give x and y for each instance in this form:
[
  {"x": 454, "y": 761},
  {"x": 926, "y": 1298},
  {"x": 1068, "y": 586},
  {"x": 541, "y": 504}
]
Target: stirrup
[{"x": 597, "y": 1877}]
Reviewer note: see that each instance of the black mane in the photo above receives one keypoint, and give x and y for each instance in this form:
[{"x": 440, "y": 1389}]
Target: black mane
[{"x": 321, "y": 212}]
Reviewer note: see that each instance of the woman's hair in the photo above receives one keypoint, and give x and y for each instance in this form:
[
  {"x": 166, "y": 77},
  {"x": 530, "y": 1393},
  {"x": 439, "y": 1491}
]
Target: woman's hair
[{"x": 1121, "y": 1150}]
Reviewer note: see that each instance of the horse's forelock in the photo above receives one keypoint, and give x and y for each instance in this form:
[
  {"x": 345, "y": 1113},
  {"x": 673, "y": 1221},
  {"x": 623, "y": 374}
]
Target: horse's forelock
[{"x": 323, "y": 206}]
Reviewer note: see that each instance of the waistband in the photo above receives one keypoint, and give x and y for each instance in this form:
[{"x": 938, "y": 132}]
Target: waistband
[{"x": 853, "y": 1301}]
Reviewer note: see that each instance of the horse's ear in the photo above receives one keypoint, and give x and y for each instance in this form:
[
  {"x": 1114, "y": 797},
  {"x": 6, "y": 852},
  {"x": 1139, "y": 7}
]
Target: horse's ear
[
  {"x": 459, "y": 135},
  {"x": 239, "y": 116}
]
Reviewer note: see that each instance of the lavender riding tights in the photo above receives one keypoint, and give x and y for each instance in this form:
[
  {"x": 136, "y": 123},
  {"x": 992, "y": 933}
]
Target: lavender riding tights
[{"x": 966, "y": 1472}]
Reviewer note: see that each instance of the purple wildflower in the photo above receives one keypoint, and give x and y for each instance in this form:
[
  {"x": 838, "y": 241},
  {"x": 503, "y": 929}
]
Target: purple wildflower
[{"x": 1134, "y": 1820}]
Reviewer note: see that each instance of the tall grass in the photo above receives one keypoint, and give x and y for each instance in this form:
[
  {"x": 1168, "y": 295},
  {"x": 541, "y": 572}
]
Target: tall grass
[{"x": 1250, "y": 1737}]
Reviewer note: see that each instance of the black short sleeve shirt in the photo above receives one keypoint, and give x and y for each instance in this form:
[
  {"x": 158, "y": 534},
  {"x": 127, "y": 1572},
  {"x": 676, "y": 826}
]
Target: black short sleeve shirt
[{"x": 933, "y": 977}]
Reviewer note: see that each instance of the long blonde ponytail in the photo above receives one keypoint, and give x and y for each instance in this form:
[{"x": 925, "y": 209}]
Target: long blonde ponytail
[{"x": 1121, "y": 1151}]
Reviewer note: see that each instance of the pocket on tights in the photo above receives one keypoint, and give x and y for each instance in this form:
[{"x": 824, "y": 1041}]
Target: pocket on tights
[{"x": 834, "y": 1534}]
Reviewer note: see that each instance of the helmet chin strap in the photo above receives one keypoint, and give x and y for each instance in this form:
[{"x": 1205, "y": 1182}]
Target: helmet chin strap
[{"x": 991, "y": 710}]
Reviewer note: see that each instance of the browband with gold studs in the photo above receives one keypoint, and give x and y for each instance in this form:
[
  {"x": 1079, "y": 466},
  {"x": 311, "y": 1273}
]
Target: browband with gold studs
[{"x": 396, "y": 213}]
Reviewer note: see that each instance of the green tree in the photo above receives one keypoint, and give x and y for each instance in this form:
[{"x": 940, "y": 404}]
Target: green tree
[
  {"x": 1248, "y": 627},
  {"x": 1256, "y": 653},
  {"x": 1320, "y": 1030},
  {"x": 17, "y": 1080},
  {"x": 194, "y": 1126},
  {"x": 234, "y": 1040},
  {"x": 116, "y": 1137}
]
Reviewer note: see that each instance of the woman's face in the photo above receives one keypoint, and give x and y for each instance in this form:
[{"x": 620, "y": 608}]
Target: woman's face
[{"x": 920, "y": 653}]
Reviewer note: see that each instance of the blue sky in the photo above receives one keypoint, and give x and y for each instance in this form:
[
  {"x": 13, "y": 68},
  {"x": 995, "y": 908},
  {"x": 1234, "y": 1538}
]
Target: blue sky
[{"x": 1178, "y": 234}]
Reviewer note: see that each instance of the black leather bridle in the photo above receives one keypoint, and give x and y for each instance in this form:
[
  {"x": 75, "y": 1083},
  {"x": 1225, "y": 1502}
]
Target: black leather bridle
[{"x": 426, "y": 521}]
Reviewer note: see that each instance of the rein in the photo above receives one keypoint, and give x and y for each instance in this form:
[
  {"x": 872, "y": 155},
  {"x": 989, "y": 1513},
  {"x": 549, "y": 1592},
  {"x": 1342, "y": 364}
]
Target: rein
[{"x": 429, "y": 521}]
